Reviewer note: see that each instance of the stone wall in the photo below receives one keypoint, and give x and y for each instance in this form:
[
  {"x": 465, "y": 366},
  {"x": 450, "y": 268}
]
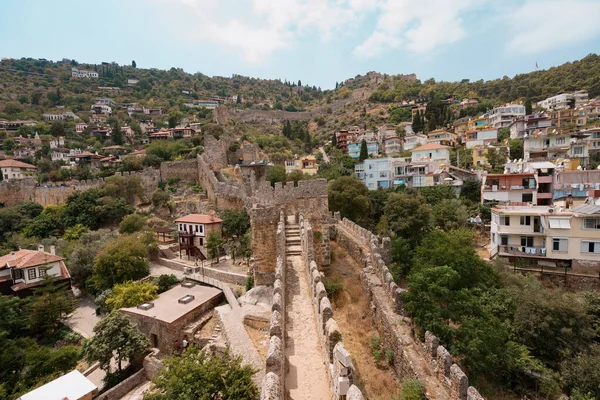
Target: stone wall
[
  {"x": 120, "y": 390},
  {"x": 12, "y": 192},
  {"x": 273, "y": 387},
  {"x": 213, "y": 273},
  {"x": 367, "y": 250},
  {"x": 186, "y": 170},
  {"x": 330, "y": 337}
]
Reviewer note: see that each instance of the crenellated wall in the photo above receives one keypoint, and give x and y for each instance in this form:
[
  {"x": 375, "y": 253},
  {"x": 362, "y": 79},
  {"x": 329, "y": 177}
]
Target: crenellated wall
[
  {"x": 428, "y": 362},
  {"x": 274, "y": 381},
  {"x": 340, "y": 362}
]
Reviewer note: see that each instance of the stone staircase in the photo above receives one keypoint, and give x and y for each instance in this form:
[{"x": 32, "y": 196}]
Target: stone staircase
[{"x": 293, "y": 246}]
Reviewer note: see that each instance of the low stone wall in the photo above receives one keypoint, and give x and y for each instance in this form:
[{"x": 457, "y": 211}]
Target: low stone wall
[
  {"x": 330, "y": 337},
  {"x": 117, "y": 392},
  {"x": 388, "y": 315},
  {"x": 273, "y": 387},
  {"x": 186, "y": 170},
  {"x": 223, "y": 276}
]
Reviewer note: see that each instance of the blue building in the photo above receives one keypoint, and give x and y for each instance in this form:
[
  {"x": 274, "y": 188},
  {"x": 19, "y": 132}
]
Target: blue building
[
  {"x": 354, "y": 149},
  {"x": 374, "y": 173}
]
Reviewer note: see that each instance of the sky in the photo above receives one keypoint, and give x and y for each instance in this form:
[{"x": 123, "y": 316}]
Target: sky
[{"x": 320, "y": 42}]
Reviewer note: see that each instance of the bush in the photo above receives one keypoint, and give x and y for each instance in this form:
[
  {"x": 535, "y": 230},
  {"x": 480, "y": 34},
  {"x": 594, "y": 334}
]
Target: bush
[
  {"x": 164, "y": 282},
  {"x": 376, "y": 348},
  {"x": 412, "y": 389},
  {"x": 333, "y": 286},
  {"x": 173, "y": 181},
  {"x": 132, "y": 223},
  {"x": 160, "y": 198},
  {"x": 249, "y": 282},
  {"x": 197, "y": 188}
]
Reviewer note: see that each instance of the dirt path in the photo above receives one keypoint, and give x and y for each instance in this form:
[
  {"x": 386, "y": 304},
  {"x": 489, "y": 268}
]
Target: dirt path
[{"x": 307, "y": 377}]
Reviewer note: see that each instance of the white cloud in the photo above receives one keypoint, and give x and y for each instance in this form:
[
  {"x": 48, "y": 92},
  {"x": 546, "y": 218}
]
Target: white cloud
[
  {"x": 542, "y": 25},
  {"x": 258, "y": 28},
  {"x": 419, "y": 25}
]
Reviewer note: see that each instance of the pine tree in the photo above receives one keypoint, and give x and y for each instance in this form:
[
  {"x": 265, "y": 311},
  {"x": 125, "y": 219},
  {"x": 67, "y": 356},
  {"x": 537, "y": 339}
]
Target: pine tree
[
  {"x": 364, "y": 152},
  {"x": 239, "y": 99},
  {"x": 116, "y": 134},
  {"x": 528, "y": 107},
  {"x": 133, "y": 64},
  {"x": 299, "y": 83},
  {"x": 334, "y": 140}
]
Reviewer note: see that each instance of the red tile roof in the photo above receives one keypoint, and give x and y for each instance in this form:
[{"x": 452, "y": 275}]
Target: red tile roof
[
  {"x": 199, "y": 219},
  {"x": 16, "y": 164},
  {"x": 28, "y": 258}
]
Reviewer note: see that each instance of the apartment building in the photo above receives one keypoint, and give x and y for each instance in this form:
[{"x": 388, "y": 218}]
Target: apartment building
[
  {"x": 502, "y": 117},
  {"x": 374, "y": 173},
  {"x": 549, "y": 236},
  {"x": 567, "y": 118},
  {"x": 554, "y": 145},
  {"x": 343, "y": 138},
  {"x": 77, "y": 73},
  {"x": 442, "y": 137},
  {"x": 533, "y": 184},
  {"x": 354, "y": 148},
  {"x": 564, "y": 100},
  {"x": 480, "y": 137},
  {"x": 529, "y": 125},
  {"x": 414, "y": 140},
  {"x": 432, "y": 152}
]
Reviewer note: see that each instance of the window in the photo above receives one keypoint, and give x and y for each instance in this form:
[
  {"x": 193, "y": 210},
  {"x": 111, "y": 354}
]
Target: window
[
  {"x": 525, "y": 220},
  {"x": 504, "y": 240},
  {"x": 18, "y": 274},
  {"x": 196, "y": 228},
  {"x": 527, "y": 197},
  {"x": 560, "y": 244},
  {"x": 505, "y": 220},
  {"x": 578, "y": 150},
  {"x": 31, "y": 273},
  {"x": 559, "y": 223},
  {"x": 201, "y": 228},
  {"x": 180, "y": 227},
  {"x": 590, "y": 247},
  {"x": 591, "y": 223},
  {"x": 527, "y": 241},
  {"x": 560, "y": 140}
]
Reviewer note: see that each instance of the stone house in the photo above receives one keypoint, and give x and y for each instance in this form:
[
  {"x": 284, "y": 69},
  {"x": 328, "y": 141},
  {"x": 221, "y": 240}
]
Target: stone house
[
  {"x": 13, "y": 169},
  {"x": 176, "y": 314}
]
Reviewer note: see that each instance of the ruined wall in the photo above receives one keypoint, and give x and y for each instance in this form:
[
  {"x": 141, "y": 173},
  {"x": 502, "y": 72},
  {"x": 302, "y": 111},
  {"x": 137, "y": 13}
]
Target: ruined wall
[
  {"x": 12, "y": 192},
  {"x": 394, "y": 328},
  {"x": 120, "y": 390},
  {"x": 186, "y": 170},
  {"x": 330, "y": 337},
  {"x": 273, "y": 387}
]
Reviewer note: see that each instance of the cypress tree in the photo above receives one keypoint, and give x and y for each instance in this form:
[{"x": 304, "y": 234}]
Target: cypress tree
[{"x": 364, "y": 152}]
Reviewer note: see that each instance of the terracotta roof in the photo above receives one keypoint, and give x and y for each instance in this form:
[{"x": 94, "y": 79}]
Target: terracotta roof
[
  {"x": 16, "y": 164},
  {"x": 137, "y": 152},
  {"x": 431, "y": 146},
  {"x": 86, "y": 154},
  {"x": 199, "y": 219},
  {"x": 27, "y": 258}
]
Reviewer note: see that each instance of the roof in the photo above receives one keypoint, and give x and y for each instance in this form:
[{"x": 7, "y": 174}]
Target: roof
[
  {"x": 16, "y": 164},
  {"x": 587, "y": 209},
  {"x": 431, "y": 146},
  {"x": 71, "y": 386},
  {"x": 86, "y": 154},
  {"x": 167, "y": 307},
  {"x": 542, "y": 165},
  {"x": 27, "y": 258},
  {"x": 199, "y": 219}
]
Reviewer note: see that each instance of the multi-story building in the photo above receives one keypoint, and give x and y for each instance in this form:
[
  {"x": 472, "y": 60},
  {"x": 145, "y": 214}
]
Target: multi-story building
[
  {"x": 77, "y": 73},
  {"x": 306, "y": 165},
  {"x": 15, "y": 125},
  {"x": 460, "y": 126},
  {"x": 480, "y": 137},
  {"x": 529, "y": 125},
  {"x": 414, "y": 140},
  {"x": 480, "y": 154},
  {"x": 392, "y": 146},
  {"x": 564, "y": 100},
  {"x": 502, "y": 117},
  {"x": 432, "y": 152},
  {"x": 442, "y": 137},
  {"x": 101, "y": 109},
  {"x": 343, "y": 138},
  {"x": 13, "y": 169},
  {"x": 555, "y": 145},
  {"x": 354, "y": 149},
  {"x": 374, "y": 173},
  {"x": 549, "y": 236},
  {"x": 478, "y": 122},
  {"x": 592, "y": 136},
  {"x": 568, "y": 118}
]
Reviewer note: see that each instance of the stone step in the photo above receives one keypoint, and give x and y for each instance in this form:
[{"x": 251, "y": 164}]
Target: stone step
[{"x": 292, "y": 226}]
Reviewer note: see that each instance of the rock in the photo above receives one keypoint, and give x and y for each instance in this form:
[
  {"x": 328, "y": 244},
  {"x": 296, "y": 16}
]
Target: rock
[
  {"x": 354, "y": 393},
  {"x": 256, "y": 295},
  {"x": 271, "y": 388}
]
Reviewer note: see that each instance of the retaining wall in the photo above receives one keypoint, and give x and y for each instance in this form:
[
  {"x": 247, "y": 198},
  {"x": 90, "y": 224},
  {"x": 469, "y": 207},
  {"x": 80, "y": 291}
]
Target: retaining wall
[
  {"x": 208, "y": 272},
  {"x": 373, "y": 254},
  {"x": 120, "y": 390}
]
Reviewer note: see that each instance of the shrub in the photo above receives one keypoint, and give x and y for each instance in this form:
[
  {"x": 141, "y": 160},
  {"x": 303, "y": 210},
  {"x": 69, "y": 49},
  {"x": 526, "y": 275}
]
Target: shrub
[
  {"x": 249, "y": 282},
  {"x": 317, "y": 236},
  {"x": 165, "y": 281},
  {"x": 412, "y": 389},
  {"x": 333, "y": 286},
  {"x": 173, "y": 181},
  {"x": 160, "y": 198},
  {"x": 197, "y": 188},
  {"x": 376, "y": 348},
  {"x": 132, "y": 223}
]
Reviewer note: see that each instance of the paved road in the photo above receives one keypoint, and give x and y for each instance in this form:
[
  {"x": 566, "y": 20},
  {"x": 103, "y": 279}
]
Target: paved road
[{"x": 84, "y": 319}]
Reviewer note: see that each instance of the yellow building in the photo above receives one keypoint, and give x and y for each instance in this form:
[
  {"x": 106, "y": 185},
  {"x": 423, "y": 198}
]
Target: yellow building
[
  {"x": 306, "y": 165},
  {"x": 480, "y": 154}
]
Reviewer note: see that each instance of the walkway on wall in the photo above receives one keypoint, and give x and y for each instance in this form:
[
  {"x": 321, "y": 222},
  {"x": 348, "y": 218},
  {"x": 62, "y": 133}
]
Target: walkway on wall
[{"x": 307, "y": 377}]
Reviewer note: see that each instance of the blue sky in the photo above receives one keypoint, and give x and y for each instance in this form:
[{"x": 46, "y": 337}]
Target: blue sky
[{"x": 318, "y": 41}]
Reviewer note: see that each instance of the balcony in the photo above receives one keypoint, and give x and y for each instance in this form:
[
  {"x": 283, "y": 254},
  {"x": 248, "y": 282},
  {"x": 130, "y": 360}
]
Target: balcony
[
  {"x": 522, "y": 251},
  {"x": 545, "y": 179}
]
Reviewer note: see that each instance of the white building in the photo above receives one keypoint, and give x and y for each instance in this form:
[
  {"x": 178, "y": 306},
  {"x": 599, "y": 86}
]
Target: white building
[
  {"x": 564, "y": 100},
  {"x": 98, "y": 108},
  {"x": 480, "y": 138},
  {"x": 13, "y": 169},
  {"x": 76, "y": 73},
  {"x": 80, "y": 127},
  {"x": 72, "y": 386},
  {"x": 431, "y": 152},
  {"x": 374, "y": 173},
  {"x": 414, "y": 140},
  {"x": 502, "y": 117}
]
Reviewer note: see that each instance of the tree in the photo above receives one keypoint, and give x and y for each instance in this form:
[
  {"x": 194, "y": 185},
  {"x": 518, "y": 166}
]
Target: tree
[
  {"x": 122, "y": 259},
  {"x": 48, "y": 223},
  {"x": 503, "y": 134},
  {"x": 160, "y": 198},
  {"x": 50, "y": 305},
  {"x": 582, "y": 372},
  {"x": 239, "y": 99},
  {"x": 299, "y": 83},
  {"x": 132, "y": 223},
  {"x": 334, "y": 140},
  {"x": 516, "y": 149},
  {"x": 528, "y": 107},
  {"x": 115, "y": 335},
  {"x": 496, "y": 160},
  {"x": 81, "y": 261},
  {"x": 214, "y": 242},
  {"x": 449, "y": 214},
  {"x": 364, "y": 152},
  {"x": 133, "y": 64},
  {"x": 350, "y": 197},
  {"x": 437, "y": 194},
  {"x": 276, "y": 173},
  {"x": 130, "y": 294},
  {"x": 235, "y": 222},
  {"x": 116, "y": 134},
  {"x": 407, "y": 216},
  {"x": 219, "y": 376},
  {"x": 12, "y": 108},
  {"x": 471, "y": 190}
]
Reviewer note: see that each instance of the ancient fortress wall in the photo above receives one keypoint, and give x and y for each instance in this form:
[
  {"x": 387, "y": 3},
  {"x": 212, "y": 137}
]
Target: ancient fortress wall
[
  {"x": 429, "y": 361},
  {"x": 186, "y": 170}
]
